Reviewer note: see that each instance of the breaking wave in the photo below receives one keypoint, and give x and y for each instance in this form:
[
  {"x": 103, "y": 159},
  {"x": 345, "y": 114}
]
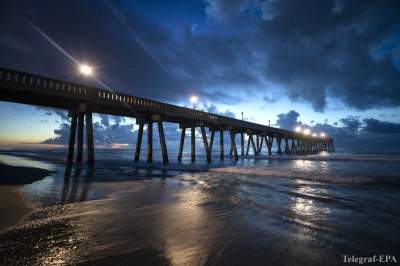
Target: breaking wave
[{"x": 343, "y": 178}]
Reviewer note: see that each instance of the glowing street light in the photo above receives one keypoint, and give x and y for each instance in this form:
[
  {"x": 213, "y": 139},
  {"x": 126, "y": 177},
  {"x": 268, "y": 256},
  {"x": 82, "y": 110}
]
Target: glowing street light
[
  {"x": 86, "y": 70},
  {"x": 322, "y": 134},
  {"x": 193, "y": 100},
  {"x": 307, "y": 131},
  {"x": 298, "y": 129},
  {"x": 314, "y": 135}
]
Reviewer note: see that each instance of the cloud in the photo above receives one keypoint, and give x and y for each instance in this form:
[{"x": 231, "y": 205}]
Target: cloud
[
  {"x": 381, "y": 127},
  {"x": 288, "y": 121},
  {"x": 47, "y": 111},
  {"x": 212, "y": 108},
  {"x": 340, "y": 50},
  {"x": 111, "y": 134},
  {"x": 106, "y": 133},
  {"x": 352, "y": 123},
  {"x": 104, "y": 119},
  {"x": 270, "y": 99},
  {"x": 332, "y": 52},
  {"x": 366, "y": 135}
]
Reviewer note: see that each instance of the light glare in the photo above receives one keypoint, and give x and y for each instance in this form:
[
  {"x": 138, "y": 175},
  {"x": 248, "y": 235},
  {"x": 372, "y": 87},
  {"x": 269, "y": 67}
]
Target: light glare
[
  {"x": 298, "y": 129},
  {"x": 194, "y": 99},
  {"x": 322, "y": 134},
  {"x": 306, "y": 131},
  {"x": 86, "y": 70}
]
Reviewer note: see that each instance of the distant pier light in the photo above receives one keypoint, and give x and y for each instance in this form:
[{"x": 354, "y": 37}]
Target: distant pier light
[
  {"x": 314, "y": 135},
  {"x": 86, "y": 70},
  {"x": 306, "y": 131},
  {"x": 194, "y": 99},
  {"x": 298, "y": 129},
  {"x": 322, "y": 135}
]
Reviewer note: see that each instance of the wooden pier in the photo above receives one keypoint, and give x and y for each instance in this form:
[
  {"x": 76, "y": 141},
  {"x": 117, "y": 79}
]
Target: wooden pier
[{"x": 82, "y": 101}]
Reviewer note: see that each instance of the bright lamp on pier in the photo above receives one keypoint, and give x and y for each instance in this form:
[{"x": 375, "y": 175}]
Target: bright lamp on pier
[
  {"x": 307, "y": 131},
  {"x": 86, "y": 69},
  {"x": 322, "y": 134},
  {"x": 194, "y": 99},
  {"x": 298, "y": 129},
  {"x": 314, "y": 135}
]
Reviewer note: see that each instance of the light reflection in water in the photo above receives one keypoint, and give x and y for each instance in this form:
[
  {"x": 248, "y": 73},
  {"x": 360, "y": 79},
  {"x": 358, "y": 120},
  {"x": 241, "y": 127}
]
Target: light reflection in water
[
  {"x": 308, "y": 211},
  {"x": 304, "y": 165},
  {"x": 305, "y": 204},
  {"x": 178, "y": 238},
  {"x": 311, "y": 166}
]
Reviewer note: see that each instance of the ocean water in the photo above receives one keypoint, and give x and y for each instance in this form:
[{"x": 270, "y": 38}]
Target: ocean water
[{"x": 277, "y": 210}]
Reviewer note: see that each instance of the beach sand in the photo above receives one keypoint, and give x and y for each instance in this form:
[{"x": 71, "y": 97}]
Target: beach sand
[
  {"x": 13, "y": 206},
  {"x": 20, "y": 175}
]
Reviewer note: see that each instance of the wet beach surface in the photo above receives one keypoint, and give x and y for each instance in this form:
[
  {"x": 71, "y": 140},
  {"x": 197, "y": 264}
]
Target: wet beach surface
[{"x": 122, "y": 214}]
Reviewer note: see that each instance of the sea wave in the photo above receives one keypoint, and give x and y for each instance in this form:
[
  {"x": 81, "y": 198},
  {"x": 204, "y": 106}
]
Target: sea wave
[
  {"x": 379, "y": 158},
  {"x": 343, "y": 178}
]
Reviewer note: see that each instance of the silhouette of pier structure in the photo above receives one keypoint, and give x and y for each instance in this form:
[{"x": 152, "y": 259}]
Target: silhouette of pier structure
[{"x": 82, "y": 101}]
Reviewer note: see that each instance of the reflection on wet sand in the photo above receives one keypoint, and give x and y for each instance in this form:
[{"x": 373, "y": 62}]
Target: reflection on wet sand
[
  {"x": 147, "y": 216},
  {"x": 72, "y": 183}
]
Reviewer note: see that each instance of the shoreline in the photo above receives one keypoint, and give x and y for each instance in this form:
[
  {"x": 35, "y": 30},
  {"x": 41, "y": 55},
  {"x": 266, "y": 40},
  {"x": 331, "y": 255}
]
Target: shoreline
[
  {"x": 21, "y": 175},
  {"x": 13, "y": 207}
]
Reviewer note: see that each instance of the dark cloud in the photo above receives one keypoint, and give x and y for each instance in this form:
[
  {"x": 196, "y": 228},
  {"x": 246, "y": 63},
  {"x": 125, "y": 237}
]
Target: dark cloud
[
  {"x": 288, "y": 121},
  {"x": 63, "y": 115},
  {"x": 335, "y": 50},
  {"x": 104, "y": 119},
  {"x": 381, "y": 127},
  {"x": 212, "y": 108},
  {"x": 310, "y": 49},
  {"x": 103, "y": 135},
  {"x": 352, "y": 123},
  {"x": 106, "y": 133},
  {"x": 270, "y": 99},
  {"x": 62, "y": 135},
  {"x": 367, "y": 135}
]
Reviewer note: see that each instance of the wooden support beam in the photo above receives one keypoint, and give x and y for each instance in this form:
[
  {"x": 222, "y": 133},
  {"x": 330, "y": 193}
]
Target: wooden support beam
[
  {"x": 242, "y": 143},
  {"x": 253, "y": 144},
  {"x": 89, "y": 138},
  {"x": 221, "y": 144},
  {"x": 80, "y": 138},
  {"x": 278, "y": 142},
  {"x": 162, "y": 142},
  {"x": 193, "y": 143},
  {"x": 233, "y": 145},
  {"x": 248, "y": 146},
  {"x": 287, "y": 150},
  {"x": 293, "y": 148},
  {"x": 257, "y": 142},
  {"x": 139, "y": 141},
  {"x": 205, "y": 142},
  {"x": 150, "y": 142},
  {"x": 182, "y": 142},
  {"x": 71, "y": 144},
  {"x": 270, "y": 142},
  {"x": 261, "y": 143},
  {"x": 211, "y": 141},
  {"x": 298, "y": 147}
]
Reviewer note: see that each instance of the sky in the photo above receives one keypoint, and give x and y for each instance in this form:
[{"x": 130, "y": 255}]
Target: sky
[{"x": 332, "y": 66}]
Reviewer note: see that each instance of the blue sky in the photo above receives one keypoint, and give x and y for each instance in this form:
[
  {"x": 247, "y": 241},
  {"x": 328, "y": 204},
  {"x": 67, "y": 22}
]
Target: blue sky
[{"x": 263, "y": 58}]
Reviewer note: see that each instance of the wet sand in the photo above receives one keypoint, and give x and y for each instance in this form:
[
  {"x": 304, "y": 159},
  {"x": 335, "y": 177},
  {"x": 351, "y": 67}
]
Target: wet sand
[
  {"x": 20, "y": 175},
  {"x": 118, "y": 214},
  {"x": 13, "y": 207}
]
